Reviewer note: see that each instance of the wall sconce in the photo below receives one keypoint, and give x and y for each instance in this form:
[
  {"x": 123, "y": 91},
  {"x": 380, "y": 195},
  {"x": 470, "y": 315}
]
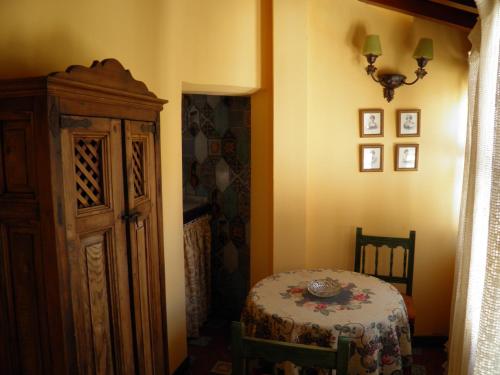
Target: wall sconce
[{"x": 372, "y": 49}]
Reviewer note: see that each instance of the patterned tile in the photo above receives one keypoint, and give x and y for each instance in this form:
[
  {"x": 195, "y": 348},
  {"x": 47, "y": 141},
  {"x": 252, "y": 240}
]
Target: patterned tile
[
  {"x": 194, "y": 180},
  {"x": 213, "y": 100},
  {"x": 187, "y": 146},
  {"x": 230, "y": 257},
  {"x": 244, "y": 175},
  {"x": 242, "y": 135},
  {"x": 217, "y": 262},
  {"x": 207, "y": 127},
  {"x": 201, "y": 191},
  {"x": 237, "y": 231},
  {"x": 187, "y": 161},
  {"x": 214, "y": 148},
  {"x": 236, "y": 118},
  {"x": 222, "y": 175},
  {"x": 239, "y": 102},
  {"x": 217, "y": 201},
  {"x": 216, "y": 164},
  {"x": 198, "y": 100},
  {"x": 247, "y": 119},
  {"x": 200, "y": 147},
  {"x": 238, "y": 185},
  {"x": 207, "y": 174},
  {"x": 230, "y": 202},
  {"x": 221, "y": 118},
  {"x": 189, "y": 190},
  {"x": 244, "y": 263},
  {"x": 229, "y": 148},
  {"x": 193, "y": 121},
  {"x": 235, "y": 165},
  {"x": 208, "y": 111},
  {"x": 222, "y": 233},
  {"x": 229, "y": 144},
  {"x": 244, "y": 204},
  {"x": 247, "y": 230}
]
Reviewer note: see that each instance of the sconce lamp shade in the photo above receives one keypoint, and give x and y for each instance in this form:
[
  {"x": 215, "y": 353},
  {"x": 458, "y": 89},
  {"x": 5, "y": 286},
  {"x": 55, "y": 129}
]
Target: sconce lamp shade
[
  {"x": 424, "y": 49},
  {"x": 372, "y": 46}
]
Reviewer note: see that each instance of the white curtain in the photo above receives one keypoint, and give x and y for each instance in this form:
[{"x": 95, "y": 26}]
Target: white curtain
[
  {"x": 197, "y": 245},
  {"x": 475, "y": 318}
]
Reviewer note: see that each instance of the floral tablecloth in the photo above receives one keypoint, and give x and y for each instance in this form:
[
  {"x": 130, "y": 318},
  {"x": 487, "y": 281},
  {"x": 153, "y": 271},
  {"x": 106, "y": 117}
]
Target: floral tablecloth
[{"x": 368, "y": 310}]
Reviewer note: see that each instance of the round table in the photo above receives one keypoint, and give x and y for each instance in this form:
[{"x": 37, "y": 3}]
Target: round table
[{"x": 367, "y": 309}]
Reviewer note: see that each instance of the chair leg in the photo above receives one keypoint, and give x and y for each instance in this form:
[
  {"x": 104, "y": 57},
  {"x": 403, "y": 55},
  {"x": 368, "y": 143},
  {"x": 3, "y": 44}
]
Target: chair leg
[{"x": 239, "y": 363}]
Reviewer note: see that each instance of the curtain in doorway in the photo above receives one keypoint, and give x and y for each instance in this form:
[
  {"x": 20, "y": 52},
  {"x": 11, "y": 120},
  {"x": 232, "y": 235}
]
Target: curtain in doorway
[
  {"x": 197, "y": 245},
  {"x": 475, "y": 330}
]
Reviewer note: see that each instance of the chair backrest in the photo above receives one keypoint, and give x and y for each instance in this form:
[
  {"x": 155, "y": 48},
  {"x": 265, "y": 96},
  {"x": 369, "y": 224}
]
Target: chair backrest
[
  {"x": 407, "y": 245},
  {"x": 306, "y": 356}
]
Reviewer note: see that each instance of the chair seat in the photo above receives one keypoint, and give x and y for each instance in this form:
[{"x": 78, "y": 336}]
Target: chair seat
[{"x": 410, "y": 307}]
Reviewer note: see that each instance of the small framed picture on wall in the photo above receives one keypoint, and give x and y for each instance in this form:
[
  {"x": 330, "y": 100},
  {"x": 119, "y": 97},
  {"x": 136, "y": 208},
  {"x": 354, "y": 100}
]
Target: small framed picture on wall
[
  {"x": 408, "y": 123},
  {"x": 406, "y": 157},
  {"x": 371, "y": 158},
  {"x": 371, "y": 123}
]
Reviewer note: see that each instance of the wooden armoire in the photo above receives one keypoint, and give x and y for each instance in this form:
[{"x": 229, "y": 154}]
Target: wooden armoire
[{"x": 82, "y": 286}]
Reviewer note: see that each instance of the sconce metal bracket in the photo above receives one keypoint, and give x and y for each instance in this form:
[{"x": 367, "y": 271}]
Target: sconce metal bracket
[{"x": 392, "y": 81}]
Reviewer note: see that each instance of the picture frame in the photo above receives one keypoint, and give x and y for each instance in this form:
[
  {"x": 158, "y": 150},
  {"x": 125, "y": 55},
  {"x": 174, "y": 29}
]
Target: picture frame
[
  {"x": 408, "y": 122},
  {"x": 371, "y": 122},
  {"x": 406, "y": 157},
  {"x": 371, "y": 157}
]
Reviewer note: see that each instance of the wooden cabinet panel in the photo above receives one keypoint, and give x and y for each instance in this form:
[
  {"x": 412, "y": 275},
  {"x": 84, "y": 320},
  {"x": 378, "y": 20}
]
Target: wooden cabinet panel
[
  {"x": 20, "y": 269},
  {"x": 16, "y": 155},
  {"x": 143, "y": 227},
  {"x": 97, "y": 245},
  {"x": 92, "y": 307}
]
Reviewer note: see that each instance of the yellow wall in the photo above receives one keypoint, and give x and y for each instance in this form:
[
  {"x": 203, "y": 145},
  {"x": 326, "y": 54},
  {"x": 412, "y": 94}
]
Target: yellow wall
[
  {"x": 261, "y": 194},
  {"x": 290, "y": 133},
  {"x": 338, "y": 197},
  {"x": 211, "y": 46}
]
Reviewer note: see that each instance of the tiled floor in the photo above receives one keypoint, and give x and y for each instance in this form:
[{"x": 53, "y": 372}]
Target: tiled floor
[
  {"x": 203, "y": 358},
  {"x": 213, "y": 347}
]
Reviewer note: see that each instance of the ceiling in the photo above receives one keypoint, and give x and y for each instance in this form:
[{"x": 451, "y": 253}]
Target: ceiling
[{"x": 457, "y": 13}]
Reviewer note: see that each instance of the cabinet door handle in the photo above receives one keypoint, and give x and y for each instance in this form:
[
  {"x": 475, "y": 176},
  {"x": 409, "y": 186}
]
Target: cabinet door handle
[{"x": 130, "y": 216}]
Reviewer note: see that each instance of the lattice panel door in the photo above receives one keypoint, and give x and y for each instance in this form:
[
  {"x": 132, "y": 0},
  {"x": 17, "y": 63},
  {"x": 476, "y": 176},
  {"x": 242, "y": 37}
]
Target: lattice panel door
[
  {"x": 89, "y": 172},
  {"x": 94, "y": 195},
  {"x": 138, "y": 168},
  {"x": 143, "y": 234}
]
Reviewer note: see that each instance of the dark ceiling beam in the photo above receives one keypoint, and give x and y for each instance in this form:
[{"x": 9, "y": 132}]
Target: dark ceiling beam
[
  {"x": 467, "y": 5},
  {"x": 429, "y": 10}
]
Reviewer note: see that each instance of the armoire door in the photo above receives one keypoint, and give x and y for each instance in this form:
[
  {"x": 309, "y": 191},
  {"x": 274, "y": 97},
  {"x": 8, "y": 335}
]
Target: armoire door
[
  {"x": 23, "y": 333},
  {"x": 143, "y": 237},
  {"x": 92, "y": 159}
]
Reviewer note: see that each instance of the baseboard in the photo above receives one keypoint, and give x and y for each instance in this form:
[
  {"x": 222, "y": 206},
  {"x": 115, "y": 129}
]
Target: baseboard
[
  {"x": 183, "y": 368},
  {"x": 429, "y": 341}
]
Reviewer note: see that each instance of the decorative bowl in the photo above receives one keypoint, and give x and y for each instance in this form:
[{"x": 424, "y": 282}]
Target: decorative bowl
[{"x": 324, "y": 288}]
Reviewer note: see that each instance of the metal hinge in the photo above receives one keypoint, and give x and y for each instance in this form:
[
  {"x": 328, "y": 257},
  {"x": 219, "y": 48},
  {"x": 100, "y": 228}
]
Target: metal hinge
[
  {"x": 152, "y": 128},
  {"x": 75, "y": 123}
]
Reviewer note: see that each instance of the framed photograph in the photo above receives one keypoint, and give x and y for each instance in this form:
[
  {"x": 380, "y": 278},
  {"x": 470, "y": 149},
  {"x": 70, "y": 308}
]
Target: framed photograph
[
  {"x": 371, "y": 158},
  {"x": 406, "y": 157},
  {"x": 371, "y": 122},
  {"x": 408, "y": 123}
]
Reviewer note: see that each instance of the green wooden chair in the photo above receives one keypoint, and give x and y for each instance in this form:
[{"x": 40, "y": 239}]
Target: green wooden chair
[
  {"x": 407, "y": 245},
  {"x": 305, "y": 356}
]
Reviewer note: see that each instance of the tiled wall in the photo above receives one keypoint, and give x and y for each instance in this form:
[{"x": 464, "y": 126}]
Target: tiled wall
[{"x": 216, "y": 165}]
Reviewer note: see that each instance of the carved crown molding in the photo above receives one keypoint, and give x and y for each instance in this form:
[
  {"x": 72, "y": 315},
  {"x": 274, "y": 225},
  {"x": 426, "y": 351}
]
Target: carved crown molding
[{"x": 108, "y": 73}]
